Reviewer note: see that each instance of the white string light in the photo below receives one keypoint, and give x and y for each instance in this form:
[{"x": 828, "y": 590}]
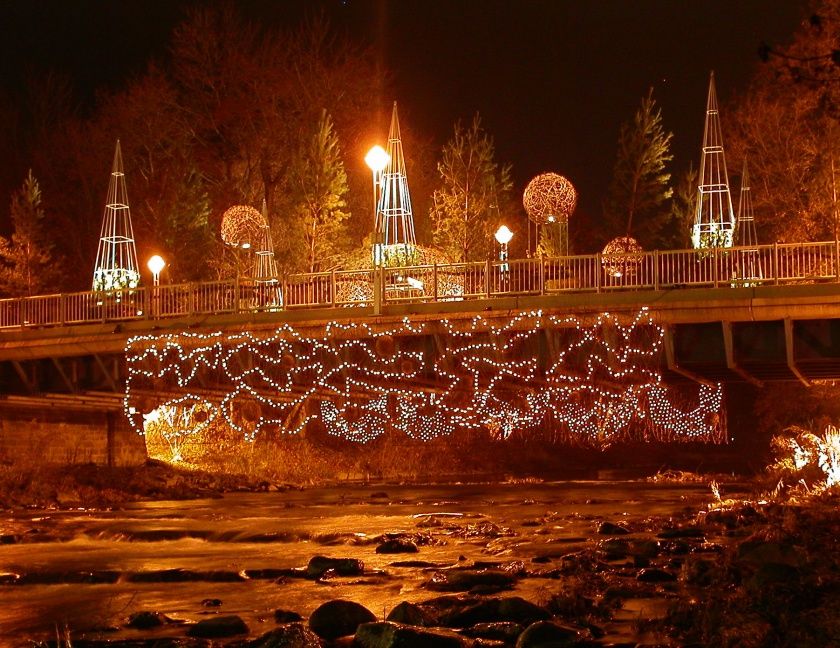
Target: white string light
[{"x": 601, "y": 383}]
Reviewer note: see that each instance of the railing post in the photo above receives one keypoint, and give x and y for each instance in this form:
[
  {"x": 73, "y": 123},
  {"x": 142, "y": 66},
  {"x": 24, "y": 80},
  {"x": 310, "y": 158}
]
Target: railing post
[
  {"x": 715, "y": 266},
  {"x": 776, "y": 263},
  {"x": 836, "y": 260},
  {"x": 435, "y": 280},
  {"x": 487, "y": 270},
  {"x": 377, "y": 290},
  {"x": 192, "y": 288},
  {"x": 62, "y": 308},
  {"x": 656, "y": 269},
  {"x": 541, "y": 274},
  {"x": 332, "y": 288},
  {"x": 236, "y": 294},
  {"x": 22, "y": 312},
  {"x": 597, "y": 272}
]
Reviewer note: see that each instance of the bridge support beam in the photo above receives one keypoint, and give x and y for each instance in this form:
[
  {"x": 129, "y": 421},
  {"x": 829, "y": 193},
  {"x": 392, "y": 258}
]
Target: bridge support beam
[
  {"x": 791, "y": 360},
  {"x": 731, "y": 364},
  {"x": 671, "y": 360}
]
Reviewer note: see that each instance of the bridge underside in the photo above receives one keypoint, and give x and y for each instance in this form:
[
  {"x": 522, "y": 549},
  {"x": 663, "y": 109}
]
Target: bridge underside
[{"x": 761, "y": 334}]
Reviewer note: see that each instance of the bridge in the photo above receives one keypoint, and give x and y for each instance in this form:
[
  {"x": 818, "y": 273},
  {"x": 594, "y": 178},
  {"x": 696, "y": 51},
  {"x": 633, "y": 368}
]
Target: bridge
[{"x": 757, "y": 314}]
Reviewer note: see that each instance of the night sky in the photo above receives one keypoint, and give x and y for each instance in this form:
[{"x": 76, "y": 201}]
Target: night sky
[{"x": 553, "y": 80}]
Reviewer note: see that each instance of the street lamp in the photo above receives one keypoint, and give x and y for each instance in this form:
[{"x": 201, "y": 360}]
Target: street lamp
[
  {"x": 377, "y": 159},
  {"x": 156, "y": 264},
  {"x": 503, "y": 236}
]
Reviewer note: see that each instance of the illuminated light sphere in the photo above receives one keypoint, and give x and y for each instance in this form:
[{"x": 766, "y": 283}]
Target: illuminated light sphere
[
  {"x": 156, "y": 264},
  {"x": 241, "y": 226},
  {"x": 549, "y": 198},
  {"x": 622, "y": 257},
  {"x": 377, "y": 159},
  {"x": 504, "y": 235}
]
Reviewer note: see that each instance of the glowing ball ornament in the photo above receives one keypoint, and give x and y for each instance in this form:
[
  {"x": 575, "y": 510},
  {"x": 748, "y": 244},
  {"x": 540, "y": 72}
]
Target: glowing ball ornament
[
  {"x": 549, "y": 198},
  {"x": 241, "y": 226},
  {"x": 622, "y": 257}
]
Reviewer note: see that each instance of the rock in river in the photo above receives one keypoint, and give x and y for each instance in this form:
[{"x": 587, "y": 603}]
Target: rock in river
[
  {"x": 289, "y": 635},
  {"x": 218, "y": 627},
  {"x": 397, "y": 545},
  {"x": 543, "y": 634},
  {"x": 385, "y": 634},
  {"x": 319, "y": 565},
  {"x": 339, "y": 618}
]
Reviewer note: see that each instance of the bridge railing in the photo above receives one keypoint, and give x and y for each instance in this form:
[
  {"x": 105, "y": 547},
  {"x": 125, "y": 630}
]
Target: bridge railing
[{"x": 777, "y": 264}]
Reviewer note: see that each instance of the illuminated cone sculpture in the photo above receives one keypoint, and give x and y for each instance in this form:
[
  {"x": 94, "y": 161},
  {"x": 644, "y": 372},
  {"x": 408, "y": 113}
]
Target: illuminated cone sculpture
[
  {"x": 394, "y": 240},
  {"x": 266, "y": 276},
  {"x": 714, "y": 222},
  {"x": 116, "y": 259}
]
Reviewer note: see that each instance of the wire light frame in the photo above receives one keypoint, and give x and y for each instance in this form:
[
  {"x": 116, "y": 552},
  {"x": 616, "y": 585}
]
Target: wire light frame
[
  {"x": 622, "y": 257},
  {"x": 266, "y": 275},
  {"x": 242, "y": 226},
  {"x": 749, "y": 264},
  {"x": 551, "y": 199},
  {"x": 714, "y": 221},
  {"x": 394, "y": 227},
  {"x": 116, "y": 258}
]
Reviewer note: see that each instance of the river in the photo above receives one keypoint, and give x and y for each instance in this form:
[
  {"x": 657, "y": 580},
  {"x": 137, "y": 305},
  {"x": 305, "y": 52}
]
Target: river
[{"x": 86, "y": 572}]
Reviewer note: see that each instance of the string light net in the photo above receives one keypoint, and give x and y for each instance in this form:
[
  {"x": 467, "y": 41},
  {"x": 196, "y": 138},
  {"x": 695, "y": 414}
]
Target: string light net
[
  {"x": 242, "y": 226},
  {"x": 549, "y": 198},
  {"x": 622, "y": 257},
  {"x": 116, "y": 258},
  {"x": 714, "y": 221},
  {"x": 601, "y": 385}
]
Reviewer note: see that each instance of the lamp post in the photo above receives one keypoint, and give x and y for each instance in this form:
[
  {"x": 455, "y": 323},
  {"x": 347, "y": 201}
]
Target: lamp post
[
  {"x": 503, "y": 236},
  {"x": 377, "y": 159},
  {"x": 155, "y": 264}
]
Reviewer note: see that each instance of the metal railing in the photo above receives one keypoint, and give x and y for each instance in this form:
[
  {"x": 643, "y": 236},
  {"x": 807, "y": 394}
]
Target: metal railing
[{"x": 776, "y": 264}]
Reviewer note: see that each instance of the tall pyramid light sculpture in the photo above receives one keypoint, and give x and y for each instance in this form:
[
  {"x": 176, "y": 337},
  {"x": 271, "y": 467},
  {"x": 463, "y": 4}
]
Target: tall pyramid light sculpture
[
  {"x": 116, "y": 259},
  {"x": 266, "y": 275},
  {"x": 745, "y": 234},
  {"x": 394, "y": 241},
  {"x": 714, "y": 221}
]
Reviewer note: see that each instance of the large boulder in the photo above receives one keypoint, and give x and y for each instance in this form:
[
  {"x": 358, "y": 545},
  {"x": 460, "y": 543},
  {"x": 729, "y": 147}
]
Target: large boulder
[
  {"x": 218, "y": 627},
  {"x": 514, "y": 609},
  {"x": 339, "y": 618},
  {"x": 411, "y": 614},
  {"x": 386, "y": 634},
  {"x": 319, "y": 565},
  {"x": 464, "y": 580},
  {"x": 289, "y": 635}
]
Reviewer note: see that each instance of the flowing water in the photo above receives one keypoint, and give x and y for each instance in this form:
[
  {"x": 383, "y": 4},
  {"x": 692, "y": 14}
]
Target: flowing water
[{"x": 88, "y": 571}]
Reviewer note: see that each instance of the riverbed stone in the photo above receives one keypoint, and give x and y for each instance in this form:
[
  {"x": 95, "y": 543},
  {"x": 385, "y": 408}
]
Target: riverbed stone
[
  {"x": 654, "y": 575},
  {"x": 339, "y": 618},
  {"x": 410, "y": 614},
  {"x": 464, "y": 580},
  {"x": 612, "y": 529},
  {"x": 513, "y": 609},
  {"x": 505, "y": 631},
  {"x": 286, "y": 616},
  {"x": 548, "y": 634},
  {"x": 288, "y": 635},
  {"x": 318, "y": 565},
  {"x": 386, "y": 634},
  {"x": 145, "y": 620},
  {"x": 219, "y": 627},
  {"x": 397, "y": 545}
]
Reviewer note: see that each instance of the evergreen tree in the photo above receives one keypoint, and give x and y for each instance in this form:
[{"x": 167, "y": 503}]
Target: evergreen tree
[
  {"x": 472, "y": 185},
  {"x": 26, "y": 263},
  {"x": 637, "y": 199},
  {"x": 677, "y": 234},
  {"x": 321, "y": 183}
]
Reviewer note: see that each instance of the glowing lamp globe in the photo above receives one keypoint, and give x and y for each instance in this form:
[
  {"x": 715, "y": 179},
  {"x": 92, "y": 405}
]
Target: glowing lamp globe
[
  {"x": 504, "y": 235},
  {"x": 377, "y": 159},
  {"x": 622, "y": 257},
  {"x": 156, "y": 264},
  {"x": 549, "y": 198},
  {"x": 241, "y": 226}
]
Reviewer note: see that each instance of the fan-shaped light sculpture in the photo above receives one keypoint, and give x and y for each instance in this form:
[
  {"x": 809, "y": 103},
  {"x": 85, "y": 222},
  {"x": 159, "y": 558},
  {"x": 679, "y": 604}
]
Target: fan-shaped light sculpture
[
  {"x": 622, "y": 257},
  {"x": 241, "y": 226},
  {"x": 549, "y": 198}
]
